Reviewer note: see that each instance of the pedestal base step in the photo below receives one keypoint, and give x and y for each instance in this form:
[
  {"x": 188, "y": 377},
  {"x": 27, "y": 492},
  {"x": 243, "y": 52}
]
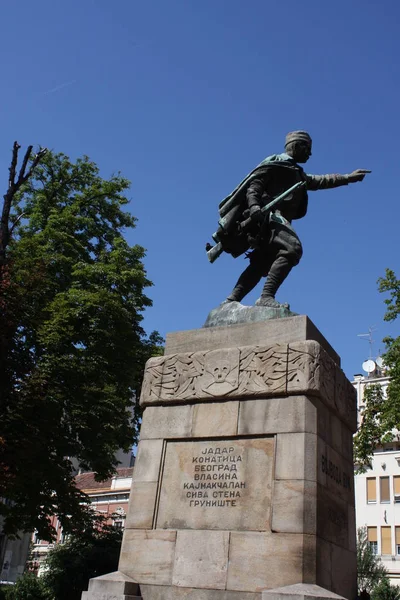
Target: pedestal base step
[
  {"x": 113, "y": 586},
  {"x": 107, "y": 596},
  {"x": 300, "y": 591}
]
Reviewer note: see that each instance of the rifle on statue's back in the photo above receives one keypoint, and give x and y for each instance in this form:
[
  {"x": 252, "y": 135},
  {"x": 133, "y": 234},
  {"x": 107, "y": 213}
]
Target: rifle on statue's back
[{"x": 213, "y": 252}]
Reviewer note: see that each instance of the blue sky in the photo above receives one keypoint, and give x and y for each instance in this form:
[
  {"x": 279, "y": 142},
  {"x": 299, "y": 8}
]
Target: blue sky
[{"x": 186, "y": 97}]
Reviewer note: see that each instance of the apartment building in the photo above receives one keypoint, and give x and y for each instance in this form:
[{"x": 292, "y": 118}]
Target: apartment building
[
  {"x": 108, "y": 498},
  {"x": 378, "y": 490}
]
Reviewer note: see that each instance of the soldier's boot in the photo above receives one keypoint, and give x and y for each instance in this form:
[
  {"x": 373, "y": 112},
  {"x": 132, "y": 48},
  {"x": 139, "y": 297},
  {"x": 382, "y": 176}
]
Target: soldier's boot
[
  {"x": 278, "y": 272},
  {"x": 246, "y": 282}
]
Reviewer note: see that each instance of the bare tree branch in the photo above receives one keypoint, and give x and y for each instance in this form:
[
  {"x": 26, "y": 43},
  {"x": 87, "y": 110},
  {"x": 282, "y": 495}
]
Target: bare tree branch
[
  {"x": 24, "y": 163},
  {"x": 13, "y": 166},
  {"x": 13, "y": 187},
  {"x": 34, "y": 164},
  {"x": 16, "y": 222}
]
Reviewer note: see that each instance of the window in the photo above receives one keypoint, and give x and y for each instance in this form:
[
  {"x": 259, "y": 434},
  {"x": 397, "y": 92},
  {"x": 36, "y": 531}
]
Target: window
[
  {"x": 371, "y": 489},
  {"x": 117, "y": 524},
  {"x": 373, "y": 539},
  {"x": 109, "y": 498},
  {"x": 386, "y": 540},
  {"x": 384, "y": 489},
  {"x": 396, "y": 486},
  {"x": 397, "y": 539}
]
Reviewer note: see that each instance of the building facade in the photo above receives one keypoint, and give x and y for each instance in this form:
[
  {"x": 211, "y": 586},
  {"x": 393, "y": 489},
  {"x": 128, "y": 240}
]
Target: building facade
[
  {"x": 108, "y": 498},
  {"x": 378, "y": 490},
  {"x": 13, "y": 556}
]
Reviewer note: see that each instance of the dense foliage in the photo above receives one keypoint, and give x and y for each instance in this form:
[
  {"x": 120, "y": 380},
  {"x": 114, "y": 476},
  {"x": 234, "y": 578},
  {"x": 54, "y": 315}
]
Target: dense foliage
[
  {"x": 381, "y": 416},
  {"x": 385, "y": 591},
  {"x": 370, "y": 570},
  {"x": 72, "y": 348},
  {"x": 28, "y": 587},
  {"x": 92, "y": 553}
]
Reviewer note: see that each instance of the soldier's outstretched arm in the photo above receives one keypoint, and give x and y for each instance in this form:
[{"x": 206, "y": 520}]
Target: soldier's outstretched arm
[{"x": 324, "y": 182}]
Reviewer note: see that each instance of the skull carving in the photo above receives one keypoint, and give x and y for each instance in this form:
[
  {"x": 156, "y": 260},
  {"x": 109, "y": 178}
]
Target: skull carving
[{"x": 221, "y": 372}]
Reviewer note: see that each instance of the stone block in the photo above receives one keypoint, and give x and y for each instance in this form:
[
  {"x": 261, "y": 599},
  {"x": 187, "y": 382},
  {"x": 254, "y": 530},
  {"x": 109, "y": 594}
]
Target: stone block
[
  {"x": 333, "y": 518},
  {"x": 300, "y": 591},
  {"x": 344, "y": 572},
  {"x": 216, "y": 419},
  {"x": 108, "y": 596},
  {"x": 337, "y": 569},
  {"x": 347, "y": 444},
  {"x": 264, "y": 560},
  {"x": 148, "y": 556},
  {"x": 323, "y": 420},
  {"x": 346, "y": 400},
  {"x": 309, "y": 562},
  {"x": 351, "y": 518},
  {"x": 163, "y": 422},
  {"x": 201, "y": 559},
  {"x": 324, "y": 564},
  {"x": 336, "y": 473},
  {"x": 335, "y": 433},
  {"x": 296, "y": 456},
  {"x": 148, "y": 461},
  {"x": 294, "y": 506},
  {"x": 161, "y": 592},
  {"x": 292, "y": 329},
  {"x": 142, "y": 503},
  {"x": 113, "y": 585},
  {"x": 225, "y": 484},
  {"x": 277, "y": 415}
]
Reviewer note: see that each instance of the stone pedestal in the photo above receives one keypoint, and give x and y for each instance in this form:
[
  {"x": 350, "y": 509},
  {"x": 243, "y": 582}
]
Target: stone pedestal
[{"x": 243, "y": 480}]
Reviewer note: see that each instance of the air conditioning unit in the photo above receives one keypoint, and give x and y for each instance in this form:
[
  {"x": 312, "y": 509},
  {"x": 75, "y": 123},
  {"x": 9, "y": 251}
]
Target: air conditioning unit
[{"x": 397, "y": 498}]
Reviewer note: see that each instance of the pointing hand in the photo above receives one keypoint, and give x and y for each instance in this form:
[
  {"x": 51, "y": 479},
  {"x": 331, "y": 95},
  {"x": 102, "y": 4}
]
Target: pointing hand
[{"x": 357, "y": 175}]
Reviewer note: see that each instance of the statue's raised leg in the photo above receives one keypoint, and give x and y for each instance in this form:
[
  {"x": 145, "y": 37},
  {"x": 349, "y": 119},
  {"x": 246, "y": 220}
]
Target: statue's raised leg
[{"x": 246, "y": 282}]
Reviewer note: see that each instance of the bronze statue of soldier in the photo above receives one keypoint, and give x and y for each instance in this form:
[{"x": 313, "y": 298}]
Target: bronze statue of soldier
[{"x": 252, "y": 221}]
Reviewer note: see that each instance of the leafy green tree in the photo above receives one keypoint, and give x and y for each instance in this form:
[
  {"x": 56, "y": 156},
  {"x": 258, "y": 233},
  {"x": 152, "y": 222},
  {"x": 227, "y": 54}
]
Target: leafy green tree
[
  {"x": 28, "y": 587},
  {"x": 385, "y": 591},
  {"x": 370, "y": 570},
  {"x": 374, "y": 430},
  {"x": 92, "y": 553},
  {"x": 72, "y": 345},
  {"x": 381, "y": 415}
]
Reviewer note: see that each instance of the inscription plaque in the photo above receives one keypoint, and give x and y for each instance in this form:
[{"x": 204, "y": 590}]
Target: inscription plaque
[{"x": 224, "y": 484}]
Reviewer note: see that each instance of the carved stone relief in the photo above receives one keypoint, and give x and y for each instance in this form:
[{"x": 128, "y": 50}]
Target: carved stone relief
[
  {"x": 153, "y": 379},
  {"x": 221, "y": 372},
  {"x": 250, "y": 371},
  {"x": 311, "y": 368},
  {"x": 262, "y": 369},
  {"x": 218, "y": 373}
]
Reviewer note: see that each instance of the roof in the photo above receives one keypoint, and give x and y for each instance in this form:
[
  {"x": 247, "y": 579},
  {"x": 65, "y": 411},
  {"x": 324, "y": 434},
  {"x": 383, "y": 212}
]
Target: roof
[{"x": 86, "y": 481}]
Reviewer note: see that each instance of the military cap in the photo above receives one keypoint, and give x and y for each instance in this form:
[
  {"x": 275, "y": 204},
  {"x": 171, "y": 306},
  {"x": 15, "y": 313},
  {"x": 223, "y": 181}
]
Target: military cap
[{"x": 298, "y": 136}]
